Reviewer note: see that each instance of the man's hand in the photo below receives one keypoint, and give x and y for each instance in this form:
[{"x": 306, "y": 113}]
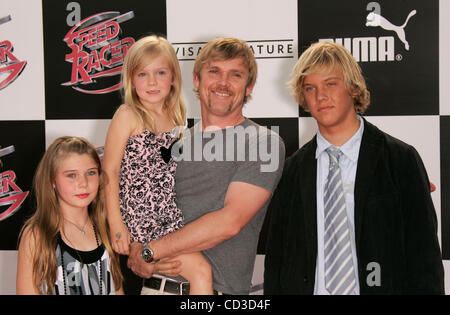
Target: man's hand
[
  {"x": 137, "y": 264},
  {"x": 170, "y": 267}
]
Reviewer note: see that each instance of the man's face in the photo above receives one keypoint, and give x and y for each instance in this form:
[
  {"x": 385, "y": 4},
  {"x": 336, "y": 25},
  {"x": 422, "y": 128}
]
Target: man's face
[
  {"x": 222, "y": 85},
  {"x": 328, "y": 99}
]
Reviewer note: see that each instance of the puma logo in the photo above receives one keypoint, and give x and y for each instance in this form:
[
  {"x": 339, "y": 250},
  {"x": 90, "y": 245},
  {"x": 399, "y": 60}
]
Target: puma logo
[{"x": 374, "y": 19}]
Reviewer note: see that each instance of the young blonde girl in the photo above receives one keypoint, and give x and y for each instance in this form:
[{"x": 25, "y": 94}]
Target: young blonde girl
[
  {"x": 141, "y": 193},
  {"x": 64, "y": 247}
]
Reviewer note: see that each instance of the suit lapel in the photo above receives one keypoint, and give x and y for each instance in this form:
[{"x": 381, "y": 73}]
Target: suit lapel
[
  {"x": 369, "y": 153},
  {"x": 308, "y": 184}
]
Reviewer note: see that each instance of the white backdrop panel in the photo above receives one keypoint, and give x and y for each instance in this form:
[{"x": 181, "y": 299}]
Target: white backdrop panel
[
  {"x": 93, "y": 130},
  {"x": 8, "y": 271},
  {"x": 24, "y": 98},
  {"x": 261, "y": 20}
]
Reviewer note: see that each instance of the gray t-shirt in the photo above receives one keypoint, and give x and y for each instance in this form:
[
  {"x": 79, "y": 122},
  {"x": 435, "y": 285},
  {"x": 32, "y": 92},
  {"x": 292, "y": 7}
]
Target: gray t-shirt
[{"x": 210, "y": 161}]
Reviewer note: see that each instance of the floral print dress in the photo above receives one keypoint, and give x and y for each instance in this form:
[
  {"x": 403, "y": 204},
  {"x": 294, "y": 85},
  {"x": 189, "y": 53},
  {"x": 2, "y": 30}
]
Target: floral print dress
[{"x": 147, "y": 187}]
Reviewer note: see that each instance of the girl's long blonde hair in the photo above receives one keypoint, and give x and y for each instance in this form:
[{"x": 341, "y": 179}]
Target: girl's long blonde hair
[
  {"x": 47, "y": 221},
  {"x": 145, "y": 49}
]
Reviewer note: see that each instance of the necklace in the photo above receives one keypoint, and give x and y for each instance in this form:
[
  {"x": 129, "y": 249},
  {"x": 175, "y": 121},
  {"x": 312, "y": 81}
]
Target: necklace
[
  {"x": 99, "y": 263},
  {"x": 79, "y": 229}
]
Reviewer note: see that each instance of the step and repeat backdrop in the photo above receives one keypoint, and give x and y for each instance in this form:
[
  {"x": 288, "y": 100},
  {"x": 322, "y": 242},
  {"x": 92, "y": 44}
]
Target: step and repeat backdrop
[{"x": 60, "y": 64}]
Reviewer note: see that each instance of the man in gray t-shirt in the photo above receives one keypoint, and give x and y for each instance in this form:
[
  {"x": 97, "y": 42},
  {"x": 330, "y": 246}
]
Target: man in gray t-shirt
[
  {"x": 227, "y": 172},
  {"x": 246, "y": 153}
]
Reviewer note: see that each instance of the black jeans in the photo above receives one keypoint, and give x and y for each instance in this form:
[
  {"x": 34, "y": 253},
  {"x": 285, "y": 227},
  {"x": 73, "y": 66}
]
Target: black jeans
[{"x": 132, "y": 284}]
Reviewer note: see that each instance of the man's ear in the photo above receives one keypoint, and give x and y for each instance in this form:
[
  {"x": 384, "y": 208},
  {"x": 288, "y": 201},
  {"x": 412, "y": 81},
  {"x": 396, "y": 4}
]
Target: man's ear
[
  {"x": 196, "y": 81},
  {"x": 249, "y": 89}
]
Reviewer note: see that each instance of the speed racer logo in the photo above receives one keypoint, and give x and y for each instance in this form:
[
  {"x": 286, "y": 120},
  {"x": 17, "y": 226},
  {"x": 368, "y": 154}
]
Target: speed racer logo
[
  {"x": 10, "y": 194},
  {"x": 98, "y": 52},
  {"x": 10, "y": 66}
]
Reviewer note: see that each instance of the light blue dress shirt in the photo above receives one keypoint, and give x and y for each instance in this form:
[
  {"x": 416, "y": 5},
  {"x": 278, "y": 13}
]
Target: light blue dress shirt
[{"x": 348, "y": 163}]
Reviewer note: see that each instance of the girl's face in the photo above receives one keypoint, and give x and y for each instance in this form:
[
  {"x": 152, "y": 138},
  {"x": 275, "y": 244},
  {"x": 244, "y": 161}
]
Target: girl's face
[
  {"x": 153, "y": 81},
  {"x": 76, "y": 181}
]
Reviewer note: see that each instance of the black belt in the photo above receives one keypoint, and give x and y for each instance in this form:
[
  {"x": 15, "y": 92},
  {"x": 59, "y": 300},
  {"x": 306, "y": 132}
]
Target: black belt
[{"x": 171, "y": 286}]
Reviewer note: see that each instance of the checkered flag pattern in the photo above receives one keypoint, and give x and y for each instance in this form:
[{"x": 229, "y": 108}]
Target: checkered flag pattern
[{"x": 60, "y": 64}]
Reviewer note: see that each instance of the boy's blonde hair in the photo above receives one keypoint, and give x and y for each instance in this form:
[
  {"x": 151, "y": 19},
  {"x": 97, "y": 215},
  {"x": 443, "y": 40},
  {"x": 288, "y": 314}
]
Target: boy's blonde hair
[{"x": 325, "y": 55}]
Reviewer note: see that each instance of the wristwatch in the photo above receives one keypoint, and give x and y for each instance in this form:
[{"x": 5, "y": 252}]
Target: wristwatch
[{"x": 147, "y": 253}]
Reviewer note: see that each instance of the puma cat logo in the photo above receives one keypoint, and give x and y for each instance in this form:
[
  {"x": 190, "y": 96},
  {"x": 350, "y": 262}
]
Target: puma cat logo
[{"x": 374, "y": 19}]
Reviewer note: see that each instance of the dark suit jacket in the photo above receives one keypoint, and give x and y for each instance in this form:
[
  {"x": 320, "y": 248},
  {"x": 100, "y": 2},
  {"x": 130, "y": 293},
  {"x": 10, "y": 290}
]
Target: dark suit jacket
[{"x": 395, "y": 221}]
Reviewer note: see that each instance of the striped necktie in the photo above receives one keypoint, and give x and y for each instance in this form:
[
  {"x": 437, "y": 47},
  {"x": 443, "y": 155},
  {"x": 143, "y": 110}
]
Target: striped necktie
[{"x": 339, "y": 270}]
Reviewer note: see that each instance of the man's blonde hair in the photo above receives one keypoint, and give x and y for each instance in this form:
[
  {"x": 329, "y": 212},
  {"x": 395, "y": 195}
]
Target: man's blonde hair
[{"x": 325, "y": 55}]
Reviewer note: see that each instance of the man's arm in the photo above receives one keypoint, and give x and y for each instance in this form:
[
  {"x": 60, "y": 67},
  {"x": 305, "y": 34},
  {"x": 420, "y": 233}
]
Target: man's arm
[
  {"x": 425, "y": 271},
  {"x": 242, "y": 202}
]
